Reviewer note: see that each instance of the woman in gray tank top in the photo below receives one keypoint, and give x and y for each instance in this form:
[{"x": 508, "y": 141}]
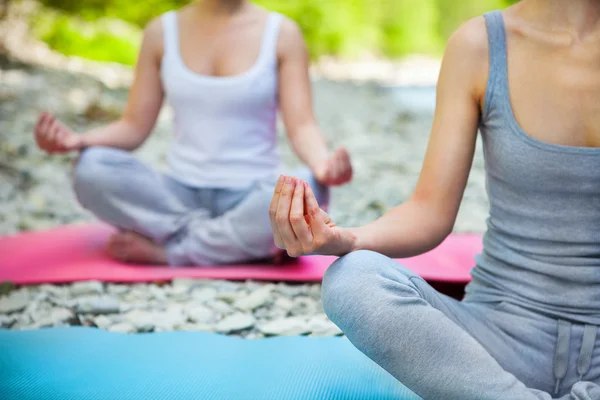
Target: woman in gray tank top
[
  {"x": 528, "y": 79},
  {"x": 225, "y": 67}
]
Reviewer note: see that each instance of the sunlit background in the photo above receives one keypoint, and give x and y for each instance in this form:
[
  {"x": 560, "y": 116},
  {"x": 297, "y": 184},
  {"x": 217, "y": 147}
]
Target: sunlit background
[{"x": 109, "y": 30}]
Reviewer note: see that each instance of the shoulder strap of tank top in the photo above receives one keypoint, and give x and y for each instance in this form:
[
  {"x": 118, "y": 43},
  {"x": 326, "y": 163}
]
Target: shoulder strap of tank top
[
  {"x": 170, "y": 32},
  {"x": 498, "y": 72},
  {"x": 271, "y": 34}
]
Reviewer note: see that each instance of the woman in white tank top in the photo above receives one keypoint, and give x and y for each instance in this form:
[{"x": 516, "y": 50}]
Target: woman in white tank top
[{"x": 225, "y": 67}]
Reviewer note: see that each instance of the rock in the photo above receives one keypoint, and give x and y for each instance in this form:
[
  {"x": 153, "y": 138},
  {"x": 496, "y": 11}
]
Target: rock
[
  {"x": 200, "y": 314},
  {"x": 320, "y": 326},
  {"x": 157, "y": 293},
  {"x": 235, "y": 323},
  {"x": 229, "y": 297},
  {"x": 226, "y": 286},
  {"x": 103, "y": 322},
  {"x": 315, "y": 292},
  {"x": 255, "y": 299},
  {"x": 292, "y": 326},
  {"x": 255, "y": 335},
  {"x": 178, "y": 290},
  {"x": 122, "y": 327},
  {"x": 7, "y": 321},
  {"x": 53, "y": 290},
  {"x": 195, "y": 327},
  {"x": 87, "y": 288},
  {"x": 143, "y": 321},
  {"x": 23, "y": 321},
  {"x": 138, "y": 293},
  {"x": 98, "y": 305},
  {"x": 15, "y": 301},
  {"x": 171, "y": 317},
  {"x": 304, "y": 306},
  {"x": 284, "y": 304},
  {"x": 185, "y": 285},
  {"x": 220, "y": 307},
  {"x": 205, "y": 294},
  {"x": 56, "y": 316},
  {"x": 117, "y": 290}
]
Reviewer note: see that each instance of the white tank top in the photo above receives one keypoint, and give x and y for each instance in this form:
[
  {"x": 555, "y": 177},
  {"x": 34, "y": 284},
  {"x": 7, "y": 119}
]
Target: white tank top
[{"x": 225, "y": 127}]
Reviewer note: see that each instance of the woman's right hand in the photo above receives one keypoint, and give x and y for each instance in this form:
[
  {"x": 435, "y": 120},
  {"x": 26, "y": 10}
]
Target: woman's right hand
[
  {"x": 54, "y": 137},
  {"x": 300, "y": 226}
]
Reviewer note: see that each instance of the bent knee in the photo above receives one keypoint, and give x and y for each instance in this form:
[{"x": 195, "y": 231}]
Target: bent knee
[
  {"x": 356, "y": 280},
  {"x": 349, "y": 279},
  {"x": 95, "y": 171}
]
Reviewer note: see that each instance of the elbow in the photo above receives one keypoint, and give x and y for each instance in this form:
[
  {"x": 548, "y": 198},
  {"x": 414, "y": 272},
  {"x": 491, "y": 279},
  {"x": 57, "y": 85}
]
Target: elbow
[
  {"x": 136, "y": 133},
  {"x": 437, "y": 222}
]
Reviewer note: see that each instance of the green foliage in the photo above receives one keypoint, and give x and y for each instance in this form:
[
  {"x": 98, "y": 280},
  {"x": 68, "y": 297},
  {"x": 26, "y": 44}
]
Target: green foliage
[
  {"x": 102, "y": 40},
  {"x": 347, "y": 28}
]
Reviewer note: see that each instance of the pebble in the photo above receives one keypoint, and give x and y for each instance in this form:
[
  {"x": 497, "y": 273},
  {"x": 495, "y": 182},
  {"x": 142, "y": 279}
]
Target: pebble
[
  {"x": 98, "y": 305},
  {"x": 195, "y": 327},
  {"x": 323, "y": 327},
  {"x": 54, "y": 317},
  {"x": 103, "y": 322},
  {"x": 86, "y": 288},
  {"x": 221, "y": 307},
  {"x": 185, "y": 284},
  {"x": 7, "y": 321},
  {"x": 283, "y": 303},
  {"x": 228, "y": 297},
  {"x": 291, "y": 326},
  {"x": 16, "y": 301},
  {"x": 54, "y": 290},
  {"x": 143, "y": 321},
  {"x": 200, "y": 314},
  {"x": 235, "y": 323},
  {"x": 117, "y": 290},
  {"x": 254, "y": 300},
  {"x": 122, "y": 327},
  {"x": 205, "y": 294}
]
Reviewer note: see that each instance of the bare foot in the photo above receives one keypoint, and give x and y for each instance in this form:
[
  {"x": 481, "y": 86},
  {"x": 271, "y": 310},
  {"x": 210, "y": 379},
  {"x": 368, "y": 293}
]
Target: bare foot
[{"x": 132, "y": 247}]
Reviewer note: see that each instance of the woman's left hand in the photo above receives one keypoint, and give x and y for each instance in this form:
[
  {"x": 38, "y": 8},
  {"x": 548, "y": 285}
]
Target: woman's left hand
[{"x": 336, "y": 170}]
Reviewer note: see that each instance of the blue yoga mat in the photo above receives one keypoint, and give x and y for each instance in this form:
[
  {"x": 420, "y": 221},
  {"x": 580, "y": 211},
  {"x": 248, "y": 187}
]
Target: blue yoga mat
[{"x": 86, "y": 363}]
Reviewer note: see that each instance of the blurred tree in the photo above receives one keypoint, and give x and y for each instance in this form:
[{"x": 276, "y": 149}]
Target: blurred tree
[{"x": 331, "y": 27}]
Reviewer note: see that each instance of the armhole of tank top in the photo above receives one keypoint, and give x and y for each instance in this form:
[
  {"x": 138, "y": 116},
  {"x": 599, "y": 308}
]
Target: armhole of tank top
[
  {"x": 169, "y": 21},
  {"x": 271, "y": 38},
  {"x": 497, "y": 60}
]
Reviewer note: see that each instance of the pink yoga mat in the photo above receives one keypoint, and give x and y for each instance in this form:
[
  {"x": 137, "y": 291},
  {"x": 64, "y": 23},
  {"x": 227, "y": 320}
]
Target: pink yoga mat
[{"x": 76, "y": 253}]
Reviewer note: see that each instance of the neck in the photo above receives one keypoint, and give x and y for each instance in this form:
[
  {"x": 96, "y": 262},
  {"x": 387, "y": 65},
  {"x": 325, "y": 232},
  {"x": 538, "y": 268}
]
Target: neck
[
  {"x": 221, "y": 7},
  {"x": 576, "y": 16}
]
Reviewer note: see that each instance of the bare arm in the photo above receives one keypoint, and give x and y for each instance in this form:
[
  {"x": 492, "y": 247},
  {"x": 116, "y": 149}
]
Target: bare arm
[
  {"x": 295, "y": 99},
  {"x": 144, "y": 102},
  {"x": 424, "y": 221},
  {"x": 421, "y": 223},
  {"x": 141, "y": 112}
]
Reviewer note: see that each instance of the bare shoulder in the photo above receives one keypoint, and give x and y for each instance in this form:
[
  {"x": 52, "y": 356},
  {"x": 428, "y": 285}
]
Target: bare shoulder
[
  {"x": 467, "y": 54},
  {"x": 470, "y": 40},
  {"x": 290, "y": 41},
  {"x": 153, "y": 41}
]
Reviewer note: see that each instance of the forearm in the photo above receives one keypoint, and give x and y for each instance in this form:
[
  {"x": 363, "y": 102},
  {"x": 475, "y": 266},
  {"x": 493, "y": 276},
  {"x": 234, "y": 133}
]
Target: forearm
[
  {"x": 309, "y": 144},
  {"x": 120, "y": 134},
  {"x": 407, "y": 230}
]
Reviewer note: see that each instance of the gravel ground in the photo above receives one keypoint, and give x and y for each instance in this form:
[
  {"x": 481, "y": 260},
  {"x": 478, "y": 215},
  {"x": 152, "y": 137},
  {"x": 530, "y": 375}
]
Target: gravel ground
[{"x": 385, "y": 127}]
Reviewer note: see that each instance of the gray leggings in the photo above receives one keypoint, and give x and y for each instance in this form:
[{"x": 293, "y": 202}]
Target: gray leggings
[
  {"x": 198, "y": 226},
  {"x": 445, "y": 349}
]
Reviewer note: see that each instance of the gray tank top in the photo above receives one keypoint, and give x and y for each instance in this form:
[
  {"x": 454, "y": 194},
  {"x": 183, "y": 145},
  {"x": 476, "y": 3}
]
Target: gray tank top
[{"x": 542, "y": 245}]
